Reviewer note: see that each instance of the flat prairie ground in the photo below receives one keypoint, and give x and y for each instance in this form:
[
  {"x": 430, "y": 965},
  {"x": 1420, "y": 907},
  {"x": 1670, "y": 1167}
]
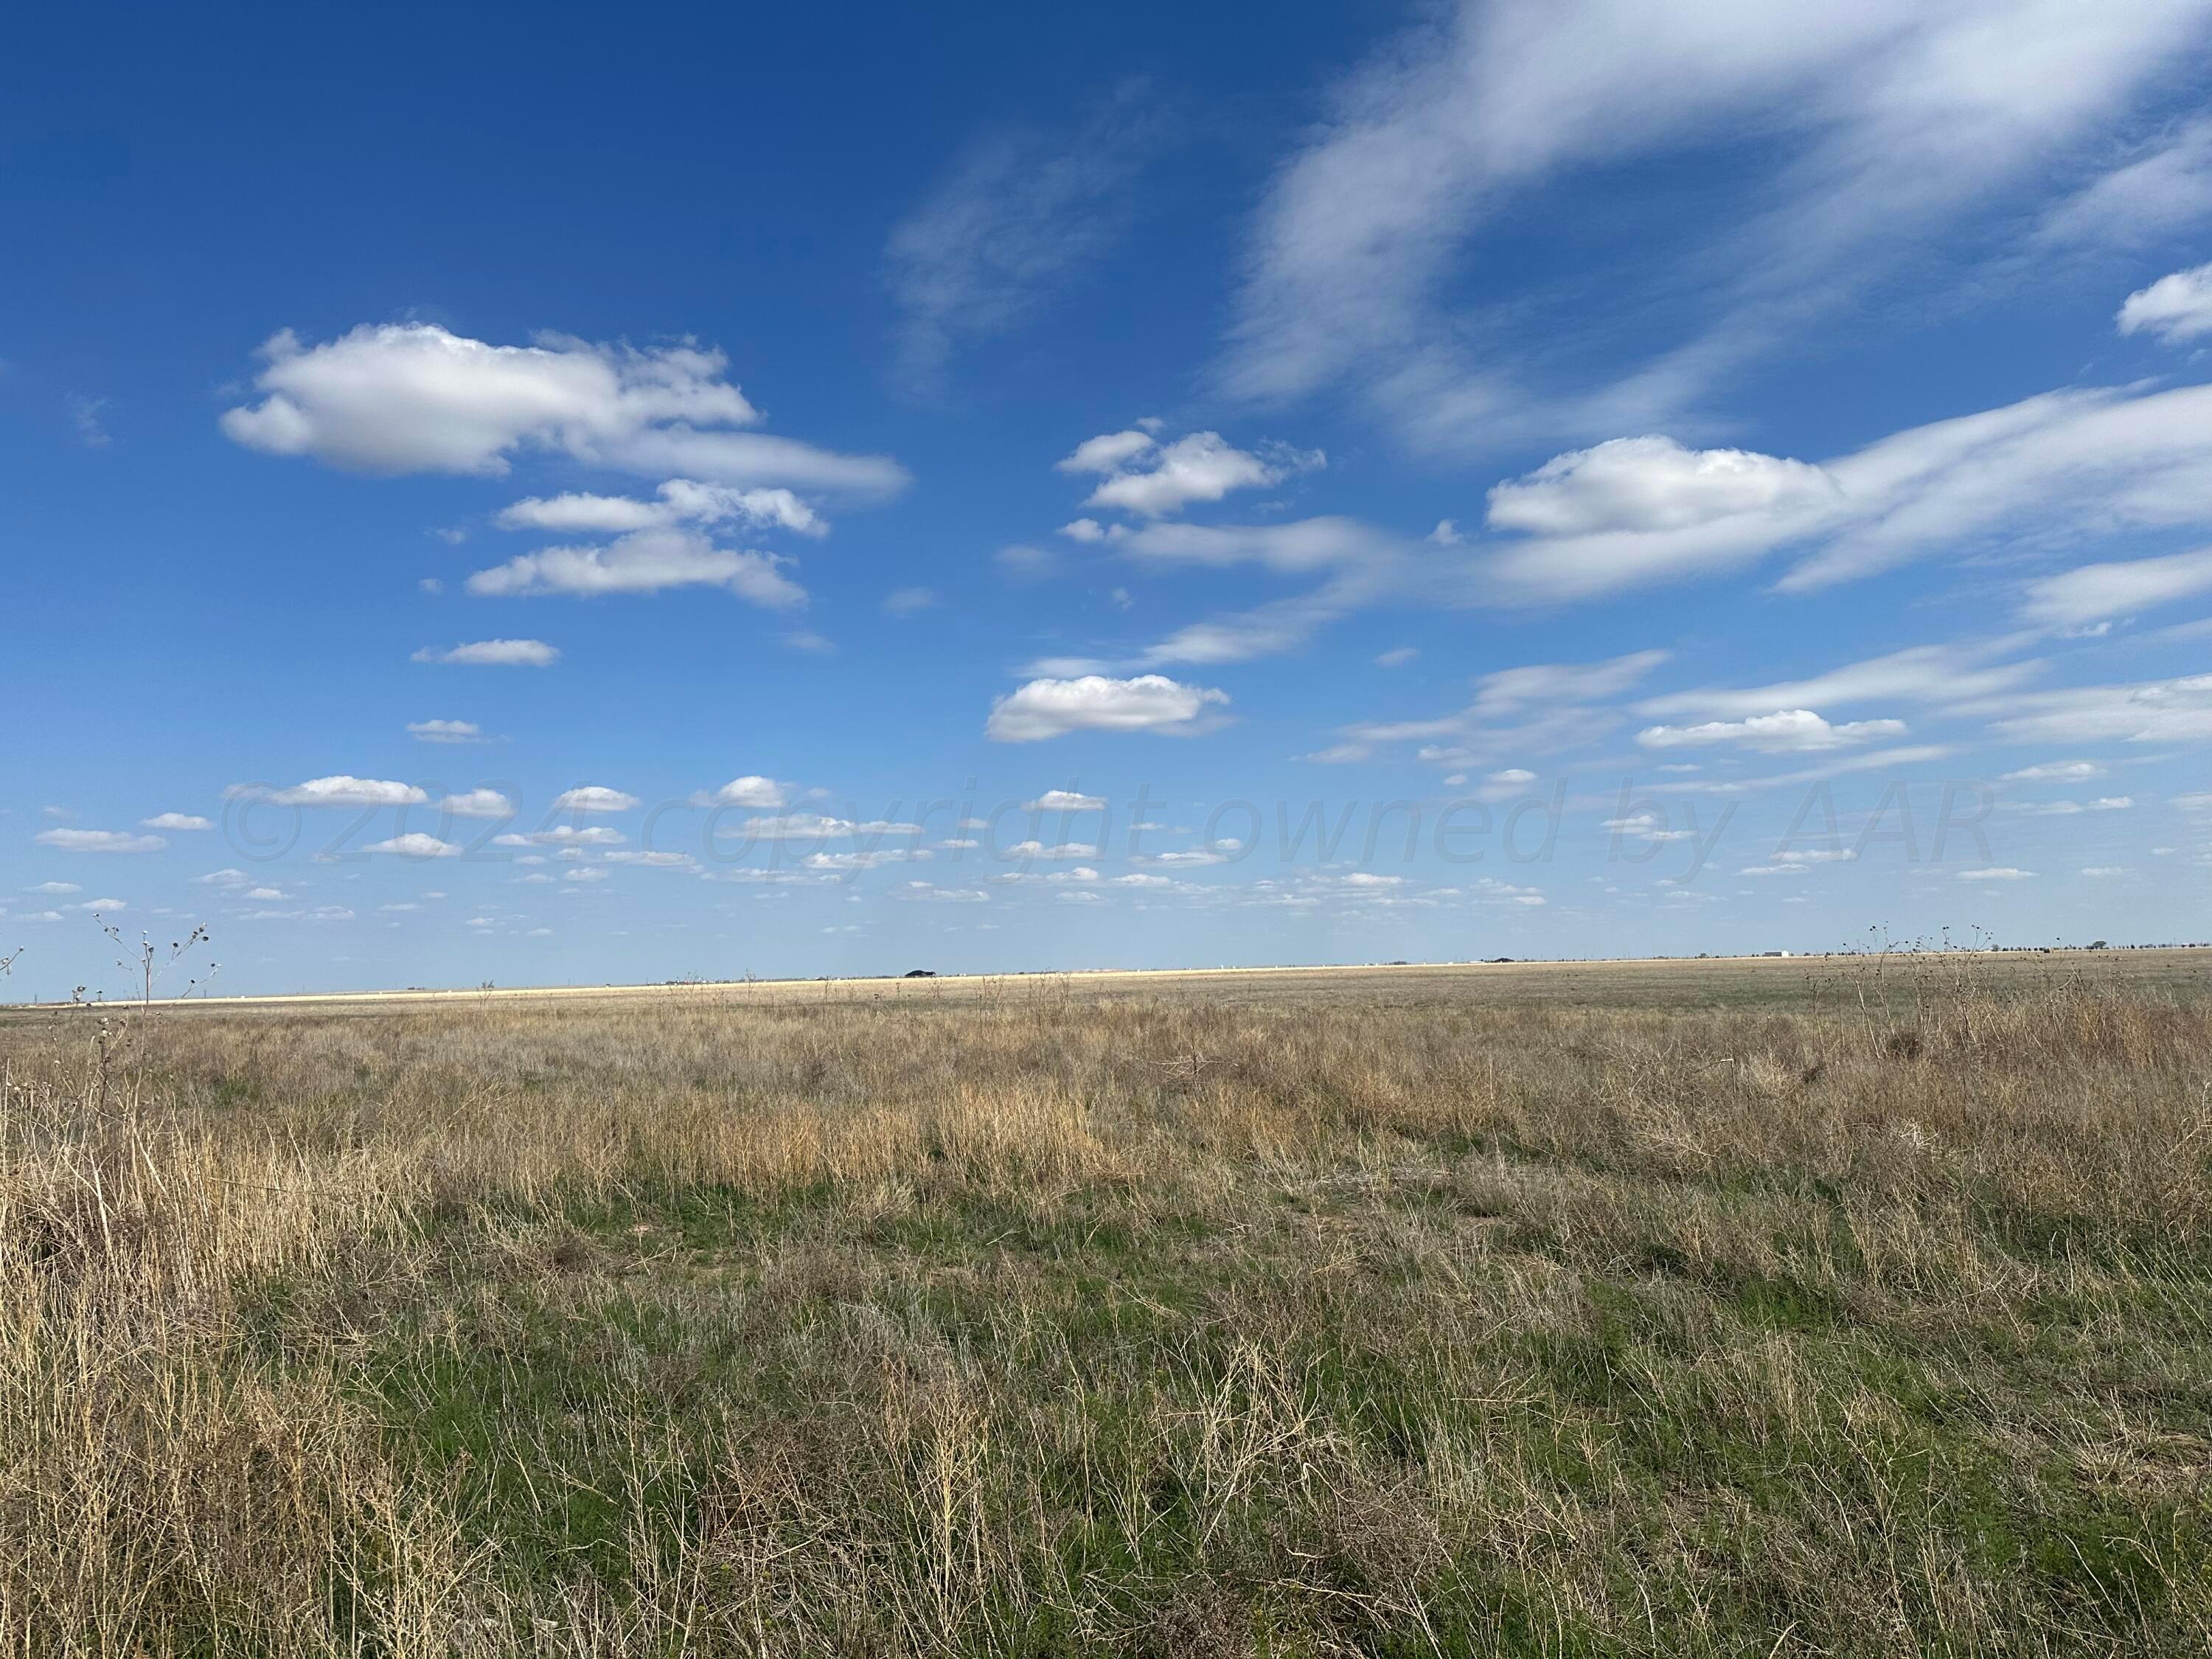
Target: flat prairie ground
[{"x": 1814, "y": 1306}]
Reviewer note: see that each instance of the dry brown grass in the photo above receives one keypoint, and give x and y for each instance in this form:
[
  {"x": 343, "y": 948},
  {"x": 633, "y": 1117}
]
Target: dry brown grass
[{"x": 1148, "y": 1319}]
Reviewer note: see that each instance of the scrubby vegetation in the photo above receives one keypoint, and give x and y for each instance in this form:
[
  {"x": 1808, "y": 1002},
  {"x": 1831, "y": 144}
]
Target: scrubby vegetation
[{"x": 1385, "y": 1318}]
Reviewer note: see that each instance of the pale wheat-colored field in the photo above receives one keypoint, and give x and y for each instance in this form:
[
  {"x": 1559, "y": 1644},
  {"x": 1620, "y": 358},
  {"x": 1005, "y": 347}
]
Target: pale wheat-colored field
[{"x": 1747, "y": 1309}]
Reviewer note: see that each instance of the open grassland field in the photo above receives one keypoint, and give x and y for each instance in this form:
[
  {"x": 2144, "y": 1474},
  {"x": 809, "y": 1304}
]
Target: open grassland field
[{"x": 1745, "y": 1308}]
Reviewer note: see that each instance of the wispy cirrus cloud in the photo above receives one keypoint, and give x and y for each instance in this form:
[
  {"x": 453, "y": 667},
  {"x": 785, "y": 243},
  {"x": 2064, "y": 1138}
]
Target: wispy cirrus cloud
[
  {"x": 98, "y": 841},
  {"x": 1882, "y": 121},
  {"x": 1022, "y": 217},
  {"x": 2093, "y": 592},
  {"x": 1543, "y": 708},
  {"x": 493, "y": 654}
]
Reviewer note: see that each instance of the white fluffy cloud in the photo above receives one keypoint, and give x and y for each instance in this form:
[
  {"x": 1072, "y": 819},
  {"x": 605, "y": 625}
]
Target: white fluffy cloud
[
  {"x": 175, "y": 821},
  {"x": 2175, "y": 308},
  {"x": 681, "y": 502},
  {"x": 415, "y": 844},
  {"x": 1654, "y": 484},
  {"x": 1095, "y": 702},
  {"x": 478, "y": 804},
  {"x": 495, "y": 653},
  {"x": 751, "y": 790},
  {"x": 413, "y": 398},
  {"x": 99, "y": 840},
  {"x": 1787, "y": 730},
  {"x": 594, "y": 798},
  {"x": 343, "y": 789},
  {"x": 1064, "y": 800},
  {"x": 2092, "y": 593},
  {"x": 1110, "y": 452},
  {"x": 1064, "y": 850},
  {"x": 1203, "y": 466},
  {"x": 643, "y": 562}
]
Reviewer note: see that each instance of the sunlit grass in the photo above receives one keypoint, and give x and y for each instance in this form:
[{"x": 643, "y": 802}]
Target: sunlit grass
[{"x": 1166, "y": 1320}]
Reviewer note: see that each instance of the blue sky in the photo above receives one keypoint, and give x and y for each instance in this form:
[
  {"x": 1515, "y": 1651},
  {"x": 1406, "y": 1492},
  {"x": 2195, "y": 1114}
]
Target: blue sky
[{"x": 538, "y": 498}]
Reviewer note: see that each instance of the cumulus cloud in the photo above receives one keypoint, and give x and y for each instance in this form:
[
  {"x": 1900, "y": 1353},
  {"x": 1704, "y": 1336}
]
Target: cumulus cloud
[
  {"x": 751, "y": 790},
  {"x": 2056, "y": 772},
  {"x": 1037, "y": 849},
  {"x": 175, "y": 821},
  {"x": 2000, "y": 873},
  {"x": 2092, "y": 593},
  {"x": 2177, "y": 307},
  {"x": 1064, "y": 800},
  {"x": 1097, "y": 702},
  {"x": 1204, "y": 466},
  {"x": 594, "y": 798},
  {"x": 494, "y": 653},
  {"x": 681, "y": 500},
  {"x": 1784, "y": 731},
  {"x": 99, "y": 840},
  {"x": 413, "y": 398},
  {"x": 643, "y": 562},
  {"x": 1653, "y": 483},
  {"x": 478, "y": 804},
  {"x": 445, "y": 731},
  {"x": 1110, "y": 452},
  {"x": 343, "y": 789},
  {"x": 415, "y": 844}
]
